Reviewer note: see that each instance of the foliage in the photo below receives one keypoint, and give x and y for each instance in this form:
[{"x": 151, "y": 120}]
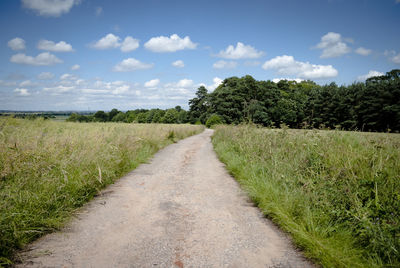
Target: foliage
[
  {"x": 213, "y": 120},
  {"x": 370, "y": 106},
  {"x": 337, "y": 193},
  {"x": 175, "y": 115},
  {"x": 48, "y": 169}
]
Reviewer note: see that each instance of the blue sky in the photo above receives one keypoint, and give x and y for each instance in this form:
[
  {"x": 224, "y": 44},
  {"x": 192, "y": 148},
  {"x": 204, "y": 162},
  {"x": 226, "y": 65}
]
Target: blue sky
[{"x": 86, "y": 54}]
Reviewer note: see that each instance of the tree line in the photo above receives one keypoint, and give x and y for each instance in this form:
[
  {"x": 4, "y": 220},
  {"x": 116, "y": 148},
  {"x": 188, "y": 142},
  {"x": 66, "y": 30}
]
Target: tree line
[
  {"x": 373, "y": 105},
  {"x": 175, "y": 115}
]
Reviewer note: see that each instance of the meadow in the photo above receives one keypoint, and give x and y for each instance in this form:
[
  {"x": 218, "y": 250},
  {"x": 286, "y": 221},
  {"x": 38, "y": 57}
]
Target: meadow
[
  {"x": 48, "y": 169},
  {"x": 336, "y": 193}
]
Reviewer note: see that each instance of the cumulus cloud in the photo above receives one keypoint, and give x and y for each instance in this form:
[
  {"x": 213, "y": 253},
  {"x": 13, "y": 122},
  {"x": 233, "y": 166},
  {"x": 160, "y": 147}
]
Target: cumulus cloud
[
  {"x": 169, "y": 44},
  {"x": 392, "y": 55},
  {"x": 75, "y": 67},
  {"x": 332, "y": 45},
  {"x": 108, "y": 41},
  {"x": 60, "y": 89},
  {"x": 131, "y": 64},
  {"x": 152, "y": 83},
  {"x": 363, "y": 51},
  {"x": 113, "y": 41},
  {"x": 298, "y": 80},
  {"x": 55, "y": 47},
  {"x": 129, "y": 44},
  {"x": 287, "y": 65},
  {"x": 45, "y": 76},
  {"x": 216, "y": 82},
  {"x": 22, "y": 91},
  {"x": 68, "y": 77},
  {"x": 225, "y": 64},
  {"x": 43, "y": 59},
  {"x": 241, "y": 51},
  {"x": 51, "y": 8},
  {"x": 185, "y": 83},
  {"x": 178, "y": 64},
  {"x": 371, "y": 73},
  {"x": 17, "y": 43}
]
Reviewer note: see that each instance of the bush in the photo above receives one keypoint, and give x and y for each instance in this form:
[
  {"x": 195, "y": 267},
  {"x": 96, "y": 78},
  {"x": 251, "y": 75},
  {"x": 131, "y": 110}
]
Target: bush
[{"x": 213, "y": 120}]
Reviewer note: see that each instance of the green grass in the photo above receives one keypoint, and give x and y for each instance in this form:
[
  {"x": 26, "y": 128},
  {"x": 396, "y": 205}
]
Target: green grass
[
  {"x": 337, "y": 193},
  {"x": 49, "y": 168}
]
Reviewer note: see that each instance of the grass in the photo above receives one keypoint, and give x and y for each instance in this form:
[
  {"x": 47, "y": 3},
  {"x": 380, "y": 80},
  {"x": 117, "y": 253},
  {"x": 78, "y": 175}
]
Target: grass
[
  {"x": 49, "y": 168},
  {"x": 337, "y": 193}
]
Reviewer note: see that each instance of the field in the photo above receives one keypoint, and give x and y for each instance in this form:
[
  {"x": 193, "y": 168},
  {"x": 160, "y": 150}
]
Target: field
[
  {"x": 337, "y": 193},
  {"x": 49, "y": 168}
]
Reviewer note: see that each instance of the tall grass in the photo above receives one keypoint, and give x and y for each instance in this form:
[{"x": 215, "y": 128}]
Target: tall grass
[
  {"x": 337, "y": 193},
  {"x": 48, "y": 169}
]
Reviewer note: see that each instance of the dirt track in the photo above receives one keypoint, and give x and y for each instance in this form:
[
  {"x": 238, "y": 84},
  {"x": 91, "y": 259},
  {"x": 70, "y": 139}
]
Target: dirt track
[{"x": 181, "y": 210}]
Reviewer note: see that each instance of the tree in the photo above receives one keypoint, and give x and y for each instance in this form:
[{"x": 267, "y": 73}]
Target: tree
[
  {"x": 199, "y": 105},
  {"x": 170, "y": 117},
  {"x": 100, "y": 116}
]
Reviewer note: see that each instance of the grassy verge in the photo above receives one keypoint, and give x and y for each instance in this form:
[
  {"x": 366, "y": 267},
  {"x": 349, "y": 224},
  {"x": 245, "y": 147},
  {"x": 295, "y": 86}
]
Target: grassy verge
[
  {"x": 48, "y": 168},
  {"x": 336, "y": 193}
]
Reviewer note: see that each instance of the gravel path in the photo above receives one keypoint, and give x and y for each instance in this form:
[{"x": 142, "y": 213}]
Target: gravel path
[{"x": 181, "y": 210}]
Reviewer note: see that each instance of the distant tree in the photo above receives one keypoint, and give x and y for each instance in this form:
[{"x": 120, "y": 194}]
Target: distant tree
[
  {"x": 100, "y": 116},
  {"x": 199, "y": 105},
  {"x": 112, "y": 113},
  {"x": 119, "y": 117},
  {"x": 170, "y": 117}
]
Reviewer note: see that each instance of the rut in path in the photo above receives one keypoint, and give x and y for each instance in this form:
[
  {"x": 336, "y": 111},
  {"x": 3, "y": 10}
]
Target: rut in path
[{"x": 181, "y": 210}]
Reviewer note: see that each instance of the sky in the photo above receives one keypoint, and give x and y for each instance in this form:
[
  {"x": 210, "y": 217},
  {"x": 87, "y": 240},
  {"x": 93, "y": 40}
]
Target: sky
[{"x": 59, "y": 55}]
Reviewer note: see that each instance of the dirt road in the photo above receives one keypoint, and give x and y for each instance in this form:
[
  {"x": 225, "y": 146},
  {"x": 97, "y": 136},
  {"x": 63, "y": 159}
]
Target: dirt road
[{"x": 181, "y": 210}]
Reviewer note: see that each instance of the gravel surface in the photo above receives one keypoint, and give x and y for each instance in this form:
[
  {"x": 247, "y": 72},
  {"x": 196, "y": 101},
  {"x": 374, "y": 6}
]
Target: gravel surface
[{"x": 181, "y": 210}]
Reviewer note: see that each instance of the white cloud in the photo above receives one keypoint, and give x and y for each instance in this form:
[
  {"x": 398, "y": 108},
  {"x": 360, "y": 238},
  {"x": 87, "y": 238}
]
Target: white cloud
[
  {"x": 113, "y": 41},
  {"x": 392, "y": 55},
  {"x": 152, "y": 83},
  {"x": 55, "y": 47},
  {"x": 169, "y": 44},
  {"x": 68, "y": 77},
  {"x": 120, "y": 90},
  {"x": 108, "y": 41},
  {"x": 131, "y": 64},
  {"x": 241, "y": 51},
  {"x": 216, "y": 82},
  {"x": 22, "y": 91},
  {"x": 185, "y": 83},
  {"x": 52, "y": 8},
  {"x": 287, "y": 65},
  {"x": 17, "y": 43},
  {"x": 371, "y": 73},
  {"x": 99, "y": 11},
  {"x": 332, "y": 45},
  {"x": 363, "y": 51},
  {"x": 75, "y": 67},
  {"x": 298, "y": 80},
  {"x": 27, "y": 83},
  {"x": 129, "y": 44},
  {"x": 43, "y": 59},
  {"x": 225, "y": 64},
  {"x": 59, "y": 89},
  {"x": 45, "y": 76},
  {"x": 178, "y": 64}
]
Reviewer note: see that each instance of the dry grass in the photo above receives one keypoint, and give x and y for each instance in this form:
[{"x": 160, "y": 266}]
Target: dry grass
[{"x": 48, "y": 169}]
